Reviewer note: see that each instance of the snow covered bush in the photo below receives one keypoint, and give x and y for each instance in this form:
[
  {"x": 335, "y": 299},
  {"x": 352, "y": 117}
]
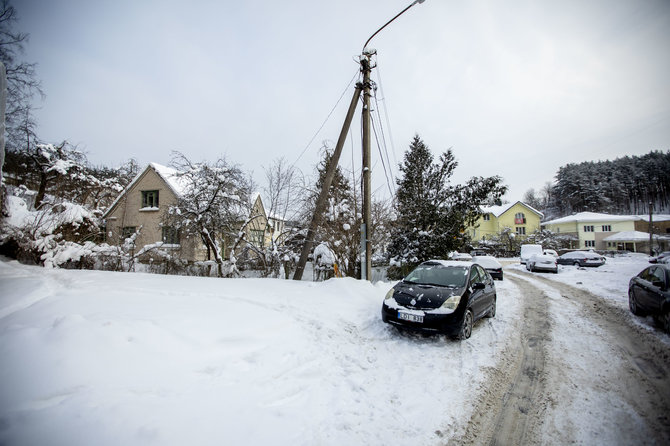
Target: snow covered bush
[{"x": 51, "y": 235}]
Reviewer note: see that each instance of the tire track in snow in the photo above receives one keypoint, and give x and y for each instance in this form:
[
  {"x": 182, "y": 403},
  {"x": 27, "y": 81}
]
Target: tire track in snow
[
  {"x": 512, "y": 398},
  {"x": 628, "y": 370},
  {"x": 602, "y": 379}
]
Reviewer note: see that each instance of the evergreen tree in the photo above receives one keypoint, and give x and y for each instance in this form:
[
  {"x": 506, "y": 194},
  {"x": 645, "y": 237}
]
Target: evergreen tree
[
  {"x": 624, "y": 186},
  {"x": 432, "y": 213}
]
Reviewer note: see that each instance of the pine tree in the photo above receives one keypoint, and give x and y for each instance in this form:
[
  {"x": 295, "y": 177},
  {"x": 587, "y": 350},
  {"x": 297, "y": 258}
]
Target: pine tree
[{"x": 432, "y": 213}]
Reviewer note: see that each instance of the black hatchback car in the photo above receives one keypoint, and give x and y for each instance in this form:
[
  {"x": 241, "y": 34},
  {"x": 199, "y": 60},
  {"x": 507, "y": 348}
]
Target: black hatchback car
[
  {"x": 649, "y": 293},
  {"x": 441, "y": 296}
]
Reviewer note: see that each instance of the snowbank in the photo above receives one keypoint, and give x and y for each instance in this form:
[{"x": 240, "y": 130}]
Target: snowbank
[{"x": 93, "y": 357}]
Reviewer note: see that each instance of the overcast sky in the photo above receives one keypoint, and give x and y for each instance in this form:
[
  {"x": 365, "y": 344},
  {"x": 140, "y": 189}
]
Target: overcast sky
[{"x": 516, "y": 88}]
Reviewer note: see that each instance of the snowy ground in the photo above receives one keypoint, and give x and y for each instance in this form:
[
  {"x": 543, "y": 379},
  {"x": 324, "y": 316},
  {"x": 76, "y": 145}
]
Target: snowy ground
[
  {"x": 91, "y": 357},
  {"x": 609, "y": 281},
  {"x": 94, "y": 357}
]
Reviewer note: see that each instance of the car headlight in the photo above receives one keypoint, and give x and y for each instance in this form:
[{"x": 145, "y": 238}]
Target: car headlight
[
  {"x": 451, "y": 303},
  {"x": 389, "y": 294}
]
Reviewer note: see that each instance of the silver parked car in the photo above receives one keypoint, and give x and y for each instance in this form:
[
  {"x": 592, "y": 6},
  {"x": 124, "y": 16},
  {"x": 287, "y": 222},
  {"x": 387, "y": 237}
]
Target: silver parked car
[{"x": 542, "y": 262}]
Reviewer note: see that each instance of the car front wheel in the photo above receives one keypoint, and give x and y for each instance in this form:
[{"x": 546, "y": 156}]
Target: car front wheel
[
  {"x": 632, "y": 304},
  {"x": 492, "y": 311},
  {"x": 466, "y": 328},
  {"x": 576, "y": 263},
  {"x": 665, "y": 320}
]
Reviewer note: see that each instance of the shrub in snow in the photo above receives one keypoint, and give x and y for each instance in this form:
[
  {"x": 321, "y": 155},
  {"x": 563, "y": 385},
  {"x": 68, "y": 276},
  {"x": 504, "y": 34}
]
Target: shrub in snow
[{"x": 50, "y": 235}]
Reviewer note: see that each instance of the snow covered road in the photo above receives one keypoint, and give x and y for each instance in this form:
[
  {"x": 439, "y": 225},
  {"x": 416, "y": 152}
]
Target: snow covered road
[
  {"x": 91, "y": 357},
  {"x": 581, "y": 373}
]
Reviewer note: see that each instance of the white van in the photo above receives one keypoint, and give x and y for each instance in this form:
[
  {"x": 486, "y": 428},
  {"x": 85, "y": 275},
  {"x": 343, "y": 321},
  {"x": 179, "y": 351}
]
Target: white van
[{"x": 529, "y": 250}]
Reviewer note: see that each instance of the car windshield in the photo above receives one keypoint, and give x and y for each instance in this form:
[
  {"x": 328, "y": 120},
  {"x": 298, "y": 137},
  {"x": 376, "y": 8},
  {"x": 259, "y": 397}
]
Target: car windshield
[{"x": 439, "y": 275}]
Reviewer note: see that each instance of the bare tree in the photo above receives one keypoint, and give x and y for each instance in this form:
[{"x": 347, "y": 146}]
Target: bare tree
[
  {"x": 286, "y": 192},
  {"x": 214, "y": 200},
  {"x": 22, "y": 82}
]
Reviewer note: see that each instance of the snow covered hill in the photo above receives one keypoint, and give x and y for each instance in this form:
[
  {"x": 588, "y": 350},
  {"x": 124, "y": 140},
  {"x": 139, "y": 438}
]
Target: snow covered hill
[{"x": 105, "y": 358}]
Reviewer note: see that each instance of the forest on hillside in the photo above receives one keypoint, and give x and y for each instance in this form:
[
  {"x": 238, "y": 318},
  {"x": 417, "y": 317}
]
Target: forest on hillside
[{"x": 627, "y": 185}]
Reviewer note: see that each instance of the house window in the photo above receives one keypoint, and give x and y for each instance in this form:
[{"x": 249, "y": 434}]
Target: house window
[
  {"x": 487, "y": 217},
  {"x": 128, "y": 231},
  {"x": 170, "y": 235},
  {"x": 149, "y": 198},
  {"x": 607, "y": 228},
  {"x": 590, "y": 243},
  {"x": 589, "y": 228},
  {"x": 519, "y": 219},
  {"x": 256, "y": 237},
  {"x": 521, "y": 230}
]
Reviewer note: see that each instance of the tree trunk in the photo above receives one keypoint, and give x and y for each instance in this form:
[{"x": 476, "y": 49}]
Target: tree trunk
[
  {"x": 41, "y": 191},
  {"x": 212, "y": 246}
]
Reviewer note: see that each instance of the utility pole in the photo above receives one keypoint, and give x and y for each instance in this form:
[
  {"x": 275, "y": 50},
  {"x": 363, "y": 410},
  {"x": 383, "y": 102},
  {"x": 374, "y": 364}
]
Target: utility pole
[
  {"x": 327, "y": 181},
  {"x": 651, "y": 230},
  {"x": 366, "y": 227}
]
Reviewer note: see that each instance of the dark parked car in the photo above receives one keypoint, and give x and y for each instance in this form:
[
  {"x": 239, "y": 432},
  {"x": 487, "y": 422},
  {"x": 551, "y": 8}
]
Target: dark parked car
[
  {"x": 490, "y": 264},
  {"x": 648, "y": 293},
  {"x": 441, "y": 296},
  {"x": 581, "y": 258}
]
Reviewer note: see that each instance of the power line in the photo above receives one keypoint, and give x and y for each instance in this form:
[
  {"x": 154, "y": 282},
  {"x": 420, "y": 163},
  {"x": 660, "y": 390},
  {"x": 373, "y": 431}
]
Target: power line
[
  {"x": 386, "y": 165},
  {"x": 327, "y": 118},
  {"x": 386, "y": 113}
]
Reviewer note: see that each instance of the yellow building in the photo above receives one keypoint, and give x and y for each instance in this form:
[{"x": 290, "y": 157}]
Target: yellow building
[
  {"x": 519, "y": 216},
  {"x": 611, "y": 232}
]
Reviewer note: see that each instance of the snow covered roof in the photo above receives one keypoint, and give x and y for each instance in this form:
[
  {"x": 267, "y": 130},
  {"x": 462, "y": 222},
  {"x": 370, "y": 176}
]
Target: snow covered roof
[
  {"x": 591, "y": 217},
  {"x": 655, "y": 217},
  {"x": 171, "y": 177},
  {"x": 499, "y": 210},
  {"x": 630, "y": 236},
  {"x": 168, "y": 174}
]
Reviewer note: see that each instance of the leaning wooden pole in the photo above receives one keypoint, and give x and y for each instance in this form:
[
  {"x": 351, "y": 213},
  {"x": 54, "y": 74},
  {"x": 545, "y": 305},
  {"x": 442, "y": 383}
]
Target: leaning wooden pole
[{"x": 323, "y": 194}]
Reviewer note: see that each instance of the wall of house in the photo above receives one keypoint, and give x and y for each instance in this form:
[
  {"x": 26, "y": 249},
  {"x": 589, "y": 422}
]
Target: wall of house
[
  {"x": 487, "y": 228},
  {"x": 660, "y": 227},
  {"x": 507, "y": 220},
  {"x": 577, "y": 228},
  {"x": 599, "y": 232},
  {"x": 484, "y": 228},
  {"x": 258, "y": 222},
  {"x": 128, "y": 212}
]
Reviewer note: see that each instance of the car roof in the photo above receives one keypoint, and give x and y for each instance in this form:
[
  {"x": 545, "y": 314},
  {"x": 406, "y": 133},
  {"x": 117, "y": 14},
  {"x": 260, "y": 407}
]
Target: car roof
[
  {"x": 486, "y": 260},
  {"x": 465, "y": 263}
]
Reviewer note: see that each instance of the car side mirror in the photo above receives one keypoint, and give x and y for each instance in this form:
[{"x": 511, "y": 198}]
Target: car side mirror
[{"x": 478, "y": 286}]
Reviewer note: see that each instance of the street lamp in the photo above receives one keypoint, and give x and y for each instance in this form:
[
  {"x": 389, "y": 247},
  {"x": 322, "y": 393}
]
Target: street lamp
[
  {"x": 364, "y": 87},
  {"x": 366, "y": 227}
]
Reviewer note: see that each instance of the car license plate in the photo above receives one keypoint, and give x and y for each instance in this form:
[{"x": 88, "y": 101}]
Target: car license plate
[{"x": 410, "y": 317}]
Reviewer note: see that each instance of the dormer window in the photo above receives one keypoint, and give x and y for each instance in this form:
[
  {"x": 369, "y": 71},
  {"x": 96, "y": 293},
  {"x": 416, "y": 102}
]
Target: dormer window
[{"x": 149, "y": 199}]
